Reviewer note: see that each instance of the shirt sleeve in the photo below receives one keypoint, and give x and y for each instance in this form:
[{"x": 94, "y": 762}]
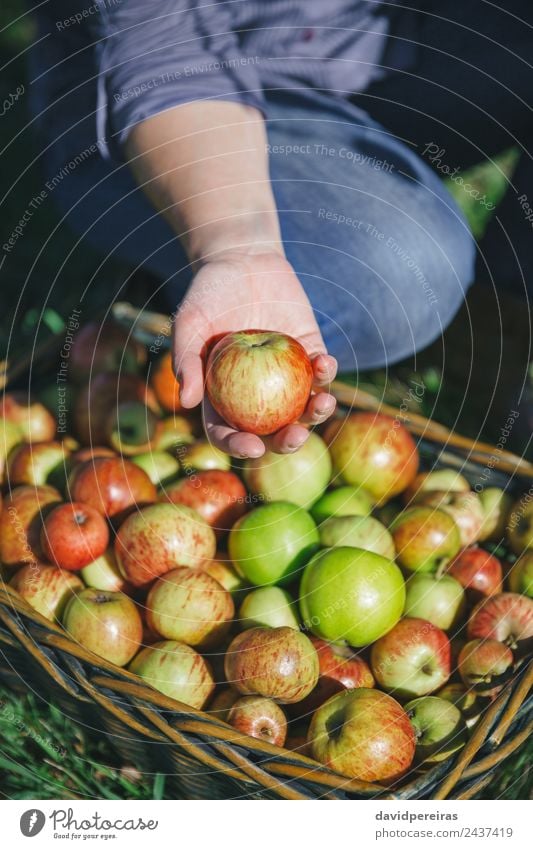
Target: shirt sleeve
[{"x": 155, "y": 54}]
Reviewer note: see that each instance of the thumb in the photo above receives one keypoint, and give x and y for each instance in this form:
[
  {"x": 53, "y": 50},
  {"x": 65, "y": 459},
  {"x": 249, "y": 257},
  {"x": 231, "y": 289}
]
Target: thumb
[{"x": 188, "y": 367}]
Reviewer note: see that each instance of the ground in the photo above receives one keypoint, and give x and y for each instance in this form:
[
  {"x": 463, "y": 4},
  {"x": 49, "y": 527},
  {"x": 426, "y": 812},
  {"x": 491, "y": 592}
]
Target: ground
[{"x": 37, "y": 295}]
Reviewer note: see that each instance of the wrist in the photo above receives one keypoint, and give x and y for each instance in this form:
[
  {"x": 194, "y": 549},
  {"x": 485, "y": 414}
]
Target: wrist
[{"x": 248, "y": 233}]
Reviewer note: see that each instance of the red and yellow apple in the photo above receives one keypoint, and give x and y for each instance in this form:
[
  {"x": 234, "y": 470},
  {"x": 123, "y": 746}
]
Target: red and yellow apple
[
  {"x": 73, "y": 535},
  {"x": 219, "y": 497},
  {"x": 176, "y": 670},
  {"x": 412, "y": 659},
  {"x": 258, "y": 717},
  {"x": 46, "y": 588},
  {"x": 105, "y": 623}
]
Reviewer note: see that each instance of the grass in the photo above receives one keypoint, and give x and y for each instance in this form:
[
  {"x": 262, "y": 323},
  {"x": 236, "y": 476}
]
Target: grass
[{"x": 43, "y": 754}]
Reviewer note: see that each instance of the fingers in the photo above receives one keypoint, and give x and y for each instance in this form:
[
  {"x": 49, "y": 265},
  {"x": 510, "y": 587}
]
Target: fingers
[
  {"x": 288, "y": 440},
  {"x": 190, "y": 374},
  {"x": 224, "y": 437},
  {"x": 320, "y": 407},
  {"x": 324, "y": 368}
]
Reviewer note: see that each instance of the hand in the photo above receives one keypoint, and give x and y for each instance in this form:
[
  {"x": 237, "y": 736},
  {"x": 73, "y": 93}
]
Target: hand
[{"x": 242, "y": 291}]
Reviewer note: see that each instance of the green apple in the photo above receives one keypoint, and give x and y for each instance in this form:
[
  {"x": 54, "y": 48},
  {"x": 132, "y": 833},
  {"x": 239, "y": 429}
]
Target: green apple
[
  {"x": 348, "y": 595},
  {"x": 359, "y": 532},
  {"x": 425, "y": 538},
  {"x": 269, "y": 607},
  {"x": 343, "y": 501},
  {"x": 10, "y": 435},
  {"x": 300, "y": 478},
  {"x": 496, "y": 505},
  {"x": 177, "y": 671},
  {"x": 520, "y": 577},
  {"x": 160, "y": 466},
  {"x": 439, "y": 600},
  {"x": 440, "y": 729},
  {"x": 272, "y": 542}
]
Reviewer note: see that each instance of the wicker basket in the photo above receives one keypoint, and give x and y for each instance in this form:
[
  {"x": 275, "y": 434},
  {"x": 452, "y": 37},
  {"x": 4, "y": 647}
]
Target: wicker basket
[{"x": 203, "y": 756}]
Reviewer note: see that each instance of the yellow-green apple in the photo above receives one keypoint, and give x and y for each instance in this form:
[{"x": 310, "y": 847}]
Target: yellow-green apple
[
  {"x": 507, "y": 617},
  {"x": 105, "y": 623},
  {"x": 520, "y": 526},
  {"x": 46, "y": 588},
  {"x": 157, "y": 538},
  {"x": 10, "y": 436},
  {"x": 357, "y": 531},
  {"x": 259, "y": 717},
  {"x": 219, "y": 497},
  {"x": 223, "y": 701},
  {"x": 73, "y": 535},
  {"x": 485, "y": 665},
  {"x": 35, "y": 422},
  {"x": 412, "y": 659},
  {"x": 224, "y": 572},
  {"x": 104, "y": 346},
  {"x": 342, "y": 501},
  {"x": 270, "y": 544},
  {"x": 363, "y": 734},
  {"x": 300, "y": 478},
  {"x": 520, "y": 576},
  {"x": 425, "y": 539},
  {"x": 21, "y": 521},
  {"x": 201, "y": 456},
  {"x": 348, "y": 595},
  {"x": 173, "y": 434},
  {"x": 440, "y": 600},
  {"x": 163, "y": 382},
  {"x": 259, "y": 381},
  {"x": 189, "y": 606},
  {"x": 100, "y": 397},
  {"x": 278, "y": 663},
  {"x": 469, "y": 703},
  {"x": 373, "y": 451},
  {"x": 131, "y": 427},
  {"x": 268, "y": 607},
  {"x": 439, "y": 727},
  {"x": 464, "y": 508},
  {"x": 39, "y": 463},
  {"x": 103, "y": 574},
  {"x": 479, "y": 572},
  {"x": 160, "y": 466},
  {"x": 445, "y": 480},
  {"x": 176, "y": 670},
  {"x": 111, "y": 485},
  {"x": 496, "y": 506}
]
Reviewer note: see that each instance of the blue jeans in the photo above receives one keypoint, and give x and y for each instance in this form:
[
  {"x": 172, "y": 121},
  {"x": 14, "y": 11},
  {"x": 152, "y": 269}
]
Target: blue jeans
[{"x": 379, "y": 245}]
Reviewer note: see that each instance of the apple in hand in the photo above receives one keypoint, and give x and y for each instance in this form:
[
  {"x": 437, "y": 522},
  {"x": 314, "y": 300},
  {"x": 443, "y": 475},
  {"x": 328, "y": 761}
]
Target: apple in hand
[
  {"x": 103, "y": 574},
  {"x": 104, "y": 346},
  {"x": 73, "y": 535},
  {"x": 219, "y": 497},
  {"x": 363, "y": 734},
  {"x": 520, "y": 527},
  {"x": 373, "y": 451},
  {"x": 413, "y": 659},
  {"x": 300, "y": 478},
  {"x": 425, "y": 539},
  {"x": 177, "y": 671},
  {"x": 159, "y": 537},
  {"x": 268, "y": 607},
  {"x": 189, "y": 606},
  {"x": 259, "y": 717},
  {"x": 359, "y": 532},
  {"x": 34, "y": 421},
  {"x": 278, "y": 663},
  {"x": 464, "y": 508},
  {"x": 479, "y": 572},
  {"x": 259, "y": 381},
  {"x": 351, "y": 596},
  {"x": 507, "y": 617},
  {"x": 439, "y": 727},
  {"x": 131, "y": 427},
  {"x": 342, "y": 501},
  {"x": 485, "y": 666},
  {"x": 105, "y": 623},
  {"x": 520, "y": 576},
  {"x": 111, "y": 485},
  {"x": 201, "y": 456},
  {"x": 496, "y": 505},
  {"x": 160, "y": 466},
  {"x": 445, "y": 480},
  {"x": 439, "y": 600},
  {"x": 46, "y": 588},
  {"x": 21, "y": 521},
  {"x": 271, "y": 543}
]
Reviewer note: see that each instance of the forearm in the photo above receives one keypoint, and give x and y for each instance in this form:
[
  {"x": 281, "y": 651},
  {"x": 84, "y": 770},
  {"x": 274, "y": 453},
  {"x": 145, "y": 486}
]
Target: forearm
[{"x": 204, "y": 165}]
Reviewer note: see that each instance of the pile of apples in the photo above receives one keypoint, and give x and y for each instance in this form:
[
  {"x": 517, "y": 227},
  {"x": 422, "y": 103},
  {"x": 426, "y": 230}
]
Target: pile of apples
[{"x": 336, "y": 601}]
